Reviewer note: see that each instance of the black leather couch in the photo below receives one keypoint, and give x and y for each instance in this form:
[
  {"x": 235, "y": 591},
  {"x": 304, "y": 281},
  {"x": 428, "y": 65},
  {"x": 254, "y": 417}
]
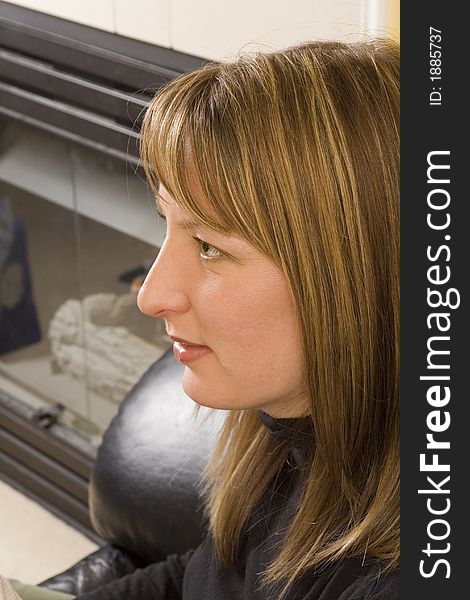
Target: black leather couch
[{"x": 143, "y": 491}]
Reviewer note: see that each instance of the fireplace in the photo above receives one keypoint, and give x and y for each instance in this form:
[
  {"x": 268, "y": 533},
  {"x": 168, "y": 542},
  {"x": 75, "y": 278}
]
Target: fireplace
[{"x": 78, "y": 231}]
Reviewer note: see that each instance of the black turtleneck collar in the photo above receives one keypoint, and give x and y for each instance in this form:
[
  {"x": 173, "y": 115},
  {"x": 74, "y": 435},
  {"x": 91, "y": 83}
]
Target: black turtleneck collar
[{"x": 294, "y": 432}]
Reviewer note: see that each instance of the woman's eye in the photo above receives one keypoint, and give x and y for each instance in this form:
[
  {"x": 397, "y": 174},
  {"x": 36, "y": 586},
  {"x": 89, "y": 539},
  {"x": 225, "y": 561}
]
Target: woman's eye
[
  {"x": 207, "y": 251},
  {"x": 160, "y": 214}
]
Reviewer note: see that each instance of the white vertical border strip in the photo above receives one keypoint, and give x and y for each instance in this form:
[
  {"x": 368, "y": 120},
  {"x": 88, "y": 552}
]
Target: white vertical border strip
[{"x": 375, "y": 17}]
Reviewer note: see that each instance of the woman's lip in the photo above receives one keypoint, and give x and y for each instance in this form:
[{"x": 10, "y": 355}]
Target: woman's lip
[
  {"x": 186, "y": 354},
  {"x": 185, "y": 342}
]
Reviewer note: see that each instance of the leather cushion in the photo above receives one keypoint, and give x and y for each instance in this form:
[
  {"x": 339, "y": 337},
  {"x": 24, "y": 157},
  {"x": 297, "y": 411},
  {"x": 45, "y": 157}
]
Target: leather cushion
[
  {"x": 103, "y": 566},
  {"x": 143, "y": 492}
]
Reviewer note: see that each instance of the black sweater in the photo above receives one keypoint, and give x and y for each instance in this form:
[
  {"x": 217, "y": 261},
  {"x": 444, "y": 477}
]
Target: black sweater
[{"x": 196, "y": 575}]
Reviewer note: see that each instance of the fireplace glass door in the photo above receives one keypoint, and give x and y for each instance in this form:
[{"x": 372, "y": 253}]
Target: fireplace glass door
[{"x": 78, "y": 232}]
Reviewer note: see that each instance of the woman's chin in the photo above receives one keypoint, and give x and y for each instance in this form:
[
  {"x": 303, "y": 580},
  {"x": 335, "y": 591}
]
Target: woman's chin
[
  {"x": 196, "y": 389},
  {"x": 206, "y": 393}
]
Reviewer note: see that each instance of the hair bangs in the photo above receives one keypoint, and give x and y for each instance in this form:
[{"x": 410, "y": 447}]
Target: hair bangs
[{"x": 183, "y": 148}]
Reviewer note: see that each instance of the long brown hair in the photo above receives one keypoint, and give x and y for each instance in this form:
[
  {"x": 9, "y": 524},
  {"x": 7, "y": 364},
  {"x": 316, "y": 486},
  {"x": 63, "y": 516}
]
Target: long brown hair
[{"x": 297, "y": 151}]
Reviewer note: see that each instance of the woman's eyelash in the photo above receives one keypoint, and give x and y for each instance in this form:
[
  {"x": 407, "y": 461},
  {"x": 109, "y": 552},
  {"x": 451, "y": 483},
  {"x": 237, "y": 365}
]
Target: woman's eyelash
[{"x": 206, "y": 249}]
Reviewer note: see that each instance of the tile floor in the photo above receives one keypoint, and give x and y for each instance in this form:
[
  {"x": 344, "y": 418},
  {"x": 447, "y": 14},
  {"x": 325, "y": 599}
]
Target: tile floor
[{"x": 34, "y": 543}]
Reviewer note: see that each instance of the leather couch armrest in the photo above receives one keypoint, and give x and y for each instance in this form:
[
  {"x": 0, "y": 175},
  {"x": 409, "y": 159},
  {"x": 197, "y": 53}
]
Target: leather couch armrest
[{"x": 103, "y": 566}]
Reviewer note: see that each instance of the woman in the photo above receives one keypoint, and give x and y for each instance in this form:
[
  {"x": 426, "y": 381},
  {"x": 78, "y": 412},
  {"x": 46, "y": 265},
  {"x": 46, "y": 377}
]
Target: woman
[{"x": 278, "y": 175}]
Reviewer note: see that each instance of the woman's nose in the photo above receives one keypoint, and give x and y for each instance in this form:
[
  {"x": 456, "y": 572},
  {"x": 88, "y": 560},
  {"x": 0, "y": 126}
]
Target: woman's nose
[{"x": 165, "y": 287}]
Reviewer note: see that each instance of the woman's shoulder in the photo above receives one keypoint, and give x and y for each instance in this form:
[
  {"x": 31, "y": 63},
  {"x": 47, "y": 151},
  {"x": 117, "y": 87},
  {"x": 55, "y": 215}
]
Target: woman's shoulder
[
  {"x": 387, "y": 587},
  {"x": 376, "y": 585}
]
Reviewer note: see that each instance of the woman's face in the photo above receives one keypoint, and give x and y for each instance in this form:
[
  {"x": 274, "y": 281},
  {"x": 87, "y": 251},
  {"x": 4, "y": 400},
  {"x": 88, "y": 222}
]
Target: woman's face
[{"x": 221, "y": 293}]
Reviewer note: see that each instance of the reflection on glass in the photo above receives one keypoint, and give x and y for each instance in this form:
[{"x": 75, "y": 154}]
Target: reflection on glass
[{"x": 73, "y": 253}]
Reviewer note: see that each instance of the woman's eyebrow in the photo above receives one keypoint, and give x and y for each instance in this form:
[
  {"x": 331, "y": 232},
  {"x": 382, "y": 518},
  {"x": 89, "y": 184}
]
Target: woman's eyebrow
[
  {"x": 158, "y": 204},
  {"x": 188, "y": 223}
]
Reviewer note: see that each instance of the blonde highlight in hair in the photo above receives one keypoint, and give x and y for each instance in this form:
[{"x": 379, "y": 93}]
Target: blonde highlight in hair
[{"x": 298, "y": 152}]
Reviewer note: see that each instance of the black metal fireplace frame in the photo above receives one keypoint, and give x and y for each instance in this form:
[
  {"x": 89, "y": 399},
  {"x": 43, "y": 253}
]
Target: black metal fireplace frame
[{"x": 85, "y": 84}]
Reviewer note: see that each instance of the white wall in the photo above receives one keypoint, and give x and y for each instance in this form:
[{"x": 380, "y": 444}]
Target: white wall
[{"x": 219, "y": 28}]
